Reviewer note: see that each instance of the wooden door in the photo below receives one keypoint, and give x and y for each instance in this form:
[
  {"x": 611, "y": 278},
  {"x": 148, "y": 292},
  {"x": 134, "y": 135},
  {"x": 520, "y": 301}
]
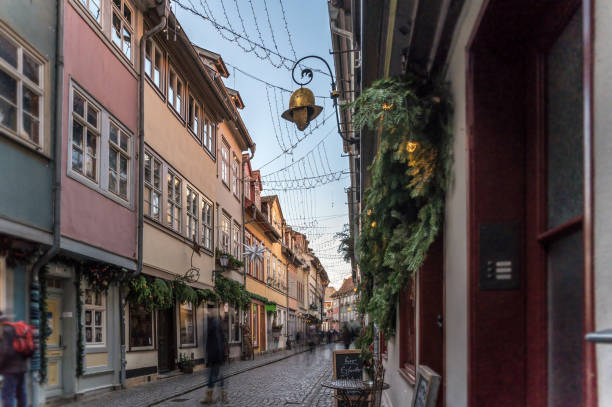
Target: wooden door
[{"x": 166, "y": 336}]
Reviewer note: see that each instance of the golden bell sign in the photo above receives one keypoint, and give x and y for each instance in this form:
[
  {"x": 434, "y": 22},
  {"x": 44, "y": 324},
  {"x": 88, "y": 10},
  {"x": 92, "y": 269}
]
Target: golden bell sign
[{"x": 302, "y": 109}]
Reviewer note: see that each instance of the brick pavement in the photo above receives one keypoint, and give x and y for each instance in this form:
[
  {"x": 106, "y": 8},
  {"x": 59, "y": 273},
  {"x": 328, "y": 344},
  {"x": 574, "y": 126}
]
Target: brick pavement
[{"x": 276, "y": 379}]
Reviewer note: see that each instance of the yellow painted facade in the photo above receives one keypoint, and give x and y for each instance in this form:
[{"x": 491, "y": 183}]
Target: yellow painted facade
[{"x": 96, "y": 359}]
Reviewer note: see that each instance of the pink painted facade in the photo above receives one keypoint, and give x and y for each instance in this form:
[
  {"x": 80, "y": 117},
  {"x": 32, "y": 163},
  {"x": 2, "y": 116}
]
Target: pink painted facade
[{"x": 96, "y": 67}]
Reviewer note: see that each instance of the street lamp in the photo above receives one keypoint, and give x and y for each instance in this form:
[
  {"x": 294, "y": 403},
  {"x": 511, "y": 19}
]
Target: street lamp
[
  {"x": 223, "y": 261},
  {"x": 302, "y": 109}
]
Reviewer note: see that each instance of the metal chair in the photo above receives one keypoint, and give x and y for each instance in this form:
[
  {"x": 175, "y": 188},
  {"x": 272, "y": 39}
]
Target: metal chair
[{"x": 379, "y": 381}]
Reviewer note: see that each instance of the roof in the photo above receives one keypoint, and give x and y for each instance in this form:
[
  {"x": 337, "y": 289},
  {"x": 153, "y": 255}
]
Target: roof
[
  {"x": 346, "y": 288},
  {"x": 329, "y": 291},
  {"x": 236, "y": 98},
  {"x": 214, "y": 59}
]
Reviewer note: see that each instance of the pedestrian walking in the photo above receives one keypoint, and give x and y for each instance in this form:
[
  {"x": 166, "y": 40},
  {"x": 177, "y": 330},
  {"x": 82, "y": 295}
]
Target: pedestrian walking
[
  {"x": 215, "y": 355},
  {"x": 16, "y": 346},
  {"x": 347, "y": 336}
]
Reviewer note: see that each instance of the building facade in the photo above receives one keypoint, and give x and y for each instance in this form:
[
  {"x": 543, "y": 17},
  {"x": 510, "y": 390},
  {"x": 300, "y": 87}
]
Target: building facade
[{"x": 530, "y": 101}]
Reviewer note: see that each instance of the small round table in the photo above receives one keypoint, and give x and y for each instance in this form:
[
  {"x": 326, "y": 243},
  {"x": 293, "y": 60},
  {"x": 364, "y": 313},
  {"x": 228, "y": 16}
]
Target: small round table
[{"x": 353, "y": 392}]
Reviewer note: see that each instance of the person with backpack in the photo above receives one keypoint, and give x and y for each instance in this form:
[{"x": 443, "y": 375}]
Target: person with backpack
[{"x": 16, "y": 346}]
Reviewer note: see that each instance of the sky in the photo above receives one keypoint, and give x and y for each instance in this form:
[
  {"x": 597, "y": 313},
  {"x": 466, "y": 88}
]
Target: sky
[{"x": 305, "y": 169}]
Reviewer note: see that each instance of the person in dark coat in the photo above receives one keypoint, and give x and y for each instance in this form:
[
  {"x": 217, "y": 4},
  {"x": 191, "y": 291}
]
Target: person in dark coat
[
  {"x": 347, "y": 336},
  {"x": 13, "y": 366},
  {"x": 215, "y": 355}
]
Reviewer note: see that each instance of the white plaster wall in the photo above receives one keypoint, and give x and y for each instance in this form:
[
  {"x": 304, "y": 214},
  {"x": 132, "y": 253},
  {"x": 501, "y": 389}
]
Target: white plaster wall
[
  {"x": 400, "y": 393},
  {"x": 603, "y": 192},
  {"x": 455, "y": 228}
]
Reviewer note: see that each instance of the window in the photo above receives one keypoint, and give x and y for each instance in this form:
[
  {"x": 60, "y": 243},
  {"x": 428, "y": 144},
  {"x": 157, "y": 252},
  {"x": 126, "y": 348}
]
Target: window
[
  {"x": 21, "y": 91},
  {"x": 93, "y": 6},
  {"x": 121, "y": 31},
  {"x": 100, "y": 148},
  {"x": 187, "y": 324},
  {"x": 259, "y": 265},
  {"x": 174, "y": 202},
  {"x": 207, "y": 224},
  {"x": 268, "y": 273},
  {"x": 192, "y": 215},
  {"x": 225, "y": 234},
  {"x": 95, "y": 318},
  {"x": 225, "y": 164},
  {"x": 118, "y": 161},
  {"x": 141, "y": 327},
  {"x": 247, "y": 187},
  {"x": 407, "y": 332},
  {"x": 85, "y": 136},
  {"x": 255, "y": 327},
  {"x": 152, "y": 186},
  {"x": 235, "y": 184},
  {"x": 233, "y": 316},
  {"x": 248, "y": 265},
  {"x": 154, "y": 59},
  {"x": 193, "y": 117},
  {"x": 236, "y": 241},
  {"x": 273, "y": 276},
  {"x": 175, "y": 92},
  {"x": 210, "y": 131}
]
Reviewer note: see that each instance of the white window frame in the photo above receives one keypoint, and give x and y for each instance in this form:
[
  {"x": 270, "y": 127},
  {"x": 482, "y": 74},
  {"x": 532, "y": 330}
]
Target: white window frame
[
  {"x": 121, "y": 152},
  {"x": 103, "y": 146},
  {"x": 124, "y": 25},
  {"x": 175, "y": 96},
  {"x": 193, "y": 210},
  {"x": 93, "y": 308},
  {"x": 149, "y": 184},
  {"x": 208, "y": 217},
  {"x": 174, "y": 202},
  {"x": 235, "y": 183},
  {"x": 193, "y": 321},
  {"x": 22, "y": 80},
  {"x": 236, "y": 240},
  {"x": 209, "y": 134},
  {"x": 225, "y": 168},
  {"x": 226, "y": 226},
  {"x": 87, "y": 5},
  {"x": 150, "y": 65},
  {"x": 194, "y": 116}
]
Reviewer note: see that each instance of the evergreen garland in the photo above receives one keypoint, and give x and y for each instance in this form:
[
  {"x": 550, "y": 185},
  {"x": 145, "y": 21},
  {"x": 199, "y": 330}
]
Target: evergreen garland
[
  {"x": 404, "y": 205},
  {"x": 44, "y": 331},
  {"x": 230, "y": 291},
  {"x": 80, "y": 346}
]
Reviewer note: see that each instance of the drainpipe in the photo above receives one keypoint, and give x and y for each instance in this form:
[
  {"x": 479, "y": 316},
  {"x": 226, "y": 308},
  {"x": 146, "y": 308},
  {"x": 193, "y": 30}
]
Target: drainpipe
[
  {"x": 57, "y": 183},
  {"x": 161, "y": 10}
]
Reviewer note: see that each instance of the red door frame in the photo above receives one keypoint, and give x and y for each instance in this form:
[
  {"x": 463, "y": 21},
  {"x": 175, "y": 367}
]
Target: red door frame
[{"x": 535, "y": 346}]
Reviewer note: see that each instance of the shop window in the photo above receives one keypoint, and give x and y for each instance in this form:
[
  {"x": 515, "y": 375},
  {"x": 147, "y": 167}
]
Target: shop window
[
  {"x": 95, "y": 318},
  {"x": 255, "y": 327},
  {"x": 141, "y": 327},
  {"x": 187, "y": 324},
  {"x": 232, "y": 322}
]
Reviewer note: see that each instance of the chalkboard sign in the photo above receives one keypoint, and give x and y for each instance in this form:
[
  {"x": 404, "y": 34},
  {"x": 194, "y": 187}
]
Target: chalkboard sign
[
  {"x": 347, "y": 365},
  {"x": 426, "y": 388}
]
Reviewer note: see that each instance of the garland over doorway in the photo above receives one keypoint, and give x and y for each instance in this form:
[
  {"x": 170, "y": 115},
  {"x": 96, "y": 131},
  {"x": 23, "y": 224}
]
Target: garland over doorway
[{"x": 404, "y": 205}]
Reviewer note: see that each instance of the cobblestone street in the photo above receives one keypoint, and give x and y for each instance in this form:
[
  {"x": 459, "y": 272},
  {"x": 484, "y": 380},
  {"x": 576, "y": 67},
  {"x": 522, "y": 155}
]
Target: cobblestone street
[
  {"x": 293, "y": 381},
  {"x": 283, "y": 378}
]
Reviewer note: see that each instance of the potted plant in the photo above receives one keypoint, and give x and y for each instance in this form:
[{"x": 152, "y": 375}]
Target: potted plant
[{"x": 185, "y": 364}]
